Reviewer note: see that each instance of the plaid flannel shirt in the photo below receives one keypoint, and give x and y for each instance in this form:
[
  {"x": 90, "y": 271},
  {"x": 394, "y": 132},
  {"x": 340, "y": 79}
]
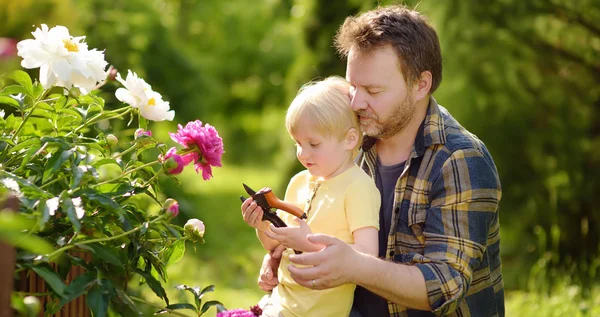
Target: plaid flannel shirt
[{"x": 445, "y": 219}]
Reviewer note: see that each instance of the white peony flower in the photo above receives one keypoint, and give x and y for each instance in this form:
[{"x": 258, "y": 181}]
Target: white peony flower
[
  {"x": 78, "y": 204},
  {"x": 138, "y": 94},
  {"x": 64, "y": 60},
  {"x": 12, "y": 186},
  {"x": 52, "y": 205}
]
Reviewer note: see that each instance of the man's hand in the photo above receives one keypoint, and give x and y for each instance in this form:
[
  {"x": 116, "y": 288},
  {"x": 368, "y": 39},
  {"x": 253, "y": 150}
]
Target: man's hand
[
  {"x": 267, "y": 280},
  {"x": 294, "y": 237},
  {"x": 330, "y": 267}
]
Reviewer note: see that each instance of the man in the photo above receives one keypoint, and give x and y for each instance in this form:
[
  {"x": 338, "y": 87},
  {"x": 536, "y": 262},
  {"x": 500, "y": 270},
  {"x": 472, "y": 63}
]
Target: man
[{"x": 439, "y": 232}]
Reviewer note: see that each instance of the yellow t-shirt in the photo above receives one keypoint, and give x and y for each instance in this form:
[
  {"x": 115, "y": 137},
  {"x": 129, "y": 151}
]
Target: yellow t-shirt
[{"x": 336, "y": 207}]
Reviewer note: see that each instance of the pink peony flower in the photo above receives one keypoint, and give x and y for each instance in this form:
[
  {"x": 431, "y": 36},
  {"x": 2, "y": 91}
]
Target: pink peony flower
[
  {"x": 8, "y": 47},
  {"x": 141, "y": 132},
  {"x": 173, "y": 162},
  {"x": 205, "y": 144},
  {"x": 236, "y": 313}
]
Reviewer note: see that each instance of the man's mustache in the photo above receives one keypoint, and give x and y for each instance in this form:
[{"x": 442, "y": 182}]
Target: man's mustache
[{"x": 365, "y": 114}]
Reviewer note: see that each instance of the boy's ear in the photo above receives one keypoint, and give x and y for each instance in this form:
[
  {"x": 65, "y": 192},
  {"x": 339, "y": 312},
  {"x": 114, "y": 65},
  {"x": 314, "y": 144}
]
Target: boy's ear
[{"x": 352, "y": 138}]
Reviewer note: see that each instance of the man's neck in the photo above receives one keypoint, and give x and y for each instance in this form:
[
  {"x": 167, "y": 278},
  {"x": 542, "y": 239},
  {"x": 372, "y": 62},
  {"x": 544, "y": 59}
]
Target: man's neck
[{"x": 397, "y": 148}]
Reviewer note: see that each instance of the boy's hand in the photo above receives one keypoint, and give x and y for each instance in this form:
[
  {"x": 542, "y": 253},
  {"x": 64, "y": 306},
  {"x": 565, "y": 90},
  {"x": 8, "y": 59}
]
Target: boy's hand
[
  {"x": 252, "y": 214},
  {"x": 294, "y": 237}
]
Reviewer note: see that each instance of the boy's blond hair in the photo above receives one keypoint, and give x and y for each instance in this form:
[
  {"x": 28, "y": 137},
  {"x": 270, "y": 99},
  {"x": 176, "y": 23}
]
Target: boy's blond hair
[{"x": 326, "y": 104}]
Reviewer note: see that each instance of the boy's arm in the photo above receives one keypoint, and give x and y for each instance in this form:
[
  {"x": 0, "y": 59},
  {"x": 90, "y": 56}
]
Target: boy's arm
[
  {"x": 267, "y": 243},
  {"x": 366, "y": 240}
]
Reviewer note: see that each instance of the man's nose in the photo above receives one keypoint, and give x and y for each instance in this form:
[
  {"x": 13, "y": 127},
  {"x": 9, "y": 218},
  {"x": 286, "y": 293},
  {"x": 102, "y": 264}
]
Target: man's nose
[{"x": 357, "y": 101}]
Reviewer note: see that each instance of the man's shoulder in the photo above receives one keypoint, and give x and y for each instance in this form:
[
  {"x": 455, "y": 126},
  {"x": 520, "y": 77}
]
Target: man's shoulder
[{"x": 458, "y": 138}]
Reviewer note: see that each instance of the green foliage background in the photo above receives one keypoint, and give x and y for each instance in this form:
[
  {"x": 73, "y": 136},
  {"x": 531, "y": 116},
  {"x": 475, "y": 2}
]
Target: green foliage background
[{"x": 522, "y": 75}]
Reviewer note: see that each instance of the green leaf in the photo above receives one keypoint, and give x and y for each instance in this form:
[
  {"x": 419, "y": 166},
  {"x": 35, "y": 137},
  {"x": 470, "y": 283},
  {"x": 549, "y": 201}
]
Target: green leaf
[
  {"x": 33, "y": 141},
  {"x": 195, "y": 290},
  {"x": 29, "y": 154},
  {"x": 125, "y": 299},
  {"x": 102, "y": 252},
  {"x": 78, "y": 286},
  {"x": 25, "y": 184},
  {"x": 38, "y": 89},
  {"x": 67, "y": 205},
  {"x": 55, "y": 162},
  {"x": 103, "y": 200},
  {"x": 208, "y": 305},
  {"x": 23, "y": 79},
  {"x": 176, "y": 307},
  {"x": 97, "y": 301},
  {"x": 31, "y": 243},
  {"x": 154, "y": 284},
  {"x": 44, "y": 211},
  {"x": 209, "y": 288},
  {"x": 174, "y": 253},
  {"x": 51, "y": 277},
  {"x": 13, "y": 90},
  {"x": 220, "y": 308},
  {"x": 62, "y": 143},
  {"x": 10, "y": 101}
]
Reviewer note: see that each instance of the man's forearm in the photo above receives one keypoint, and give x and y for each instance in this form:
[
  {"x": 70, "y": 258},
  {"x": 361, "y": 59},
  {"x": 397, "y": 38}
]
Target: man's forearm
[{"x": 399, "y": 283}]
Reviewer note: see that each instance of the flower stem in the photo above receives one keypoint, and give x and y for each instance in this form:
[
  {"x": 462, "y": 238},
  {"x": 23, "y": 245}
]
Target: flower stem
[
  {"x": 127, "y": 173},
  {"x": 52, "y": 182},
  {"x": 33, "y": 294},
  {"x": 153, "y": 177},
  {"x": 170, "y": 311},
  {"x": 99, "y": 117},
  {"x": 126, "y": 151},
  {"x": 35, "y": 103},
  {"x": 126, "y": 233}
]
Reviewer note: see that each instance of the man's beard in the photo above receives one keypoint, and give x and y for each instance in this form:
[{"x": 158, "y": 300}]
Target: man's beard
[{"x": 397, "y": 121}]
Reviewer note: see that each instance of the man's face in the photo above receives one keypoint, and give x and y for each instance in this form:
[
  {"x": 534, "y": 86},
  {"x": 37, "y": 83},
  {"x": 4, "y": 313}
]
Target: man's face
[{"x": 379, "y": 93}]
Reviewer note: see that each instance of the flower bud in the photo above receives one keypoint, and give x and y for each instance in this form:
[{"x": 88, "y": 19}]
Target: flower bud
[
  {"x": 141, "y": 133},
  {"x": 111, "y": 140},
  {"x": 33, "y": 305},
  {"x": 173, "y": 162},
  {"x": 111, "y": 73},
  {"x": 194, "y": 229},
  {"x": 172, "y": 207}
]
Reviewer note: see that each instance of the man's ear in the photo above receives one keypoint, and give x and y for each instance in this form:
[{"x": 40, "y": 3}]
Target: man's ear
[
  {"x": 352, "y": 138},
  {"x": 422, "y": 86}
]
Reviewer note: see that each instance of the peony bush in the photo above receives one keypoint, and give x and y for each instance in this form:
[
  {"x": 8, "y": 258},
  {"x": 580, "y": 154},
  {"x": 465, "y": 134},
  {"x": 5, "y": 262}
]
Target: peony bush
[{"x": 84, "y": 189}]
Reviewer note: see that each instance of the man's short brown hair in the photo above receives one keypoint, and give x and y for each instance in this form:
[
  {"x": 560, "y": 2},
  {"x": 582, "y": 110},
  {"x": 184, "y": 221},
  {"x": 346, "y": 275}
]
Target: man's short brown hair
[{"x": 414, "y": 40}]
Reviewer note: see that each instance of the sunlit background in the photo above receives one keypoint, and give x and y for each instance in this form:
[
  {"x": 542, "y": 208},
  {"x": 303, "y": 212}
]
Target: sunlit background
[{"x": 524, "y": 76}]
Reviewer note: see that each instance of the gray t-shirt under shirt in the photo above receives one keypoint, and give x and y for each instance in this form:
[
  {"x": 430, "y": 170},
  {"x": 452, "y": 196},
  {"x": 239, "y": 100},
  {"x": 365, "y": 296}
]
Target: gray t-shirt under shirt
[{"x": 366, "y": 302}]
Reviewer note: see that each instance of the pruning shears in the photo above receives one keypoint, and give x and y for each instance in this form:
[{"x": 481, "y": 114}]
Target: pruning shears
[{"x": 267, "y": 200}]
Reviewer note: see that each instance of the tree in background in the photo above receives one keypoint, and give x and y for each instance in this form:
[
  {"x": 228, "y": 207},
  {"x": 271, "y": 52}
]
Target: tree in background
[{"x": 524, "y": 76}]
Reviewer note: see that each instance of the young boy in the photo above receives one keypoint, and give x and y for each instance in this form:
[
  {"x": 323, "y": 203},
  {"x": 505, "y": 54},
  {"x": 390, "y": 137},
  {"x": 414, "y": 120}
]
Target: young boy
[{"x": 337, "y": 196}]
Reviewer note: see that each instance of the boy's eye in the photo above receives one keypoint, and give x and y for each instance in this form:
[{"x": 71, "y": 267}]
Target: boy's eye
[
  {"x": 373, "y": 92},
  {"x": 314, "y": 144}
]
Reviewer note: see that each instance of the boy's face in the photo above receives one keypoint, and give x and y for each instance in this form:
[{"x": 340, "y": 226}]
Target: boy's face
[
  {"x": 323, "y": 156},
  {"x": 380, "y": 95}
]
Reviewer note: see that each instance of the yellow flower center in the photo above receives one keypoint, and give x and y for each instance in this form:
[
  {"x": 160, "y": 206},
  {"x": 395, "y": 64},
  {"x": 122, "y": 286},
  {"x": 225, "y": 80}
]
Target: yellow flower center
[
  {"x": 151, "y": 102},
  {"x": 71, "y": 46}
]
